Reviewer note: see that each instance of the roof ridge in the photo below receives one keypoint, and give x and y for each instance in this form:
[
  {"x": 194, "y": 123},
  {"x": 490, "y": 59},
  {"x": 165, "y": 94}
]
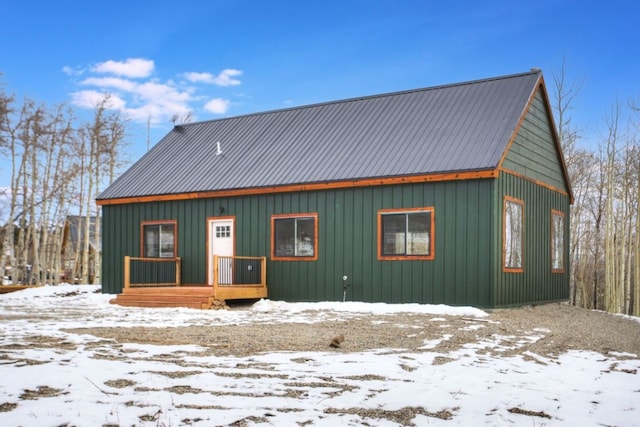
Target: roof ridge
[{"x": 365, "y": 97}]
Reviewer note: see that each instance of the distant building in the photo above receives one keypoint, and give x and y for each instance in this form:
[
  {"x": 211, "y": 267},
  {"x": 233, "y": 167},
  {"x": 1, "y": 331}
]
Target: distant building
[{"x": 73, "y": 242}]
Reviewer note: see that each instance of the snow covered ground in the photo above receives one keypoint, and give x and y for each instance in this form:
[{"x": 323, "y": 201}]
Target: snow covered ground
[{"x": 49, "y": 377}]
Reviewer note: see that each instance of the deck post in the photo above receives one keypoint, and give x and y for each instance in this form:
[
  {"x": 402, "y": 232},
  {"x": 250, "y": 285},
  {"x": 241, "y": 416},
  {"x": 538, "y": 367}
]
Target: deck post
[
  {"x": 215, "y": 272},
  {"x": 127, "y": 279},
  {"x": 178, "y": 271},
  {"x": 263, "y": 271}
]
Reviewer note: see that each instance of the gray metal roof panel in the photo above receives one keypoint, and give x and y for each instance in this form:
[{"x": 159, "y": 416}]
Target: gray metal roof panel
[{"x": 452, "y": 128}]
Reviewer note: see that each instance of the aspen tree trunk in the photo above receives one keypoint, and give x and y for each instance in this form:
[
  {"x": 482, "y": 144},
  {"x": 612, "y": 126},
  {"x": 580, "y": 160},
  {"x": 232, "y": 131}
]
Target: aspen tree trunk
[
  {"x": 25, "y": 230},
  {"x": 96, "y": 225},
  {"x": 87, "y": 218},
  {"x": 621, "y": 237},
  {"x": 611, "y": 292},
  {"x": 636, "y": 250},
  {"x": 636, "y": 282},
  {"x": 629, "y": 263},
  {"x": 50, "y": 145},
  {"x": 95, "y": 136},
  {"x": 63, "y": 170},
  {"x": 22, "y": 234},
  {"x": 565, "y": 95},
  {"x": 33, "y": 239},
  {"x": 55, "y": 237},
  {"x": 599, "y": 213},
  {"x": 10, "y": 241},
  {"x": 628, "y": 220},
  {"x": 77, "y": 250},
  {"x": 7, "y": 140},
  {"x": 66, "y": 173}
]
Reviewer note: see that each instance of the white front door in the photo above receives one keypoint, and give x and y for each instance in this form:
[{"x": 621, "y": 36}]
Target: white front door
[{"x": 221, "y": 238}]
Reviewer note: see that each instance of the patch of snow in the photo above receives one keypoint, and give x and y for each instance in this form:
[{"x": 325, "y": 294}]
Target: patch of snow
[
  {"x": 98, "y": 382},
  {"x": 265, "y": 305}
]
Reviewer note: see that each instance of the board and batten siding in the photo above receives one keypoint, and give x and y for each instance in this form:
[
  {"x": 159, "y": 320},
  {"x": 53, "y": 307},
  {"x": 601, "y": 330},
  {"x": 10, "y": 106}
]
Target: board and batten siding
[
  {"x": 460, "y": 274},
  {"x": 533, "y": 159},
  {"x": 533, "y": 152},
  {"x": 537, "y": 282}
]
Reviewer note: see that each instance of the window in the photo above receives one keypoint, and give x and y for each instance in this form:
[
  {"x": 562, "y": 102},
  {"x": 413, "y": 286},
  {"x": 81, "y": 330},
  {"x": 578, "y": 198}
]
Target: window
[
  {"x": 406, "y": 234},
  {"x": 513, "y": 234},
  {"x": 159, "y": 239},
  {"x": 223, "y": 231},
  {"x": 557, "y": 241},
  {"x": 294, "y": 237}
]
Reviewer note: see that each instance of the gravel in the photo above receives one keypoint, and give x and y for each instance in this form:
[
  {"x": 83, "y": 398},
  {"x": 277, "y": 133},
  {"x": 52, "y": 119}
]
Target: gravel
[{"x": 545, "y": 330}]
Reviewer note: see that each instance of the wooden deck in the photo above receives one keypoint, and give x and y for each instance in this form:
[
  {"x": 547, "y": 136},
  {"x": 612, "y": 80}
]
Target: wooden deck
[
  {"x": 153, "y": 282},
  {"x": 201, "y": 297},
  {"x": 5, "y": 289}
]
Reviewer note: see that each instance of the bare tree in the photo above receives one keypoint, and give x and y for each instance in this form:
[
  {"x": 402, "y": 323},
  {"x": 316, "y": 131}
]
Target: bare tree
[
  {"x": 56, "y": 168},
  {"x": 611, "y": 282},
  {"x": 6, "y": 231},
  {"x": 101, "y": 141},
  {"x": 578, "y": 168},
  {"x": 635, "y": 291},
  {"x": 636, "y": 283},
  {"x": 621, "y": 214}
]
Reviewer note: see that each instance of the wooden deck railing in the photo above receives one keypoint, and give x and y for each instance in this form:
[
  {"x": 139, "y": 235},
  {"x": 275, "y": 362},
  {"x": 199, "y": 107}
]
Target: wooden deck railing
[
  {"x": 239, "y": 277},
  {"x": 233, "y": 277},
  {"x": 151, "y": 272}
]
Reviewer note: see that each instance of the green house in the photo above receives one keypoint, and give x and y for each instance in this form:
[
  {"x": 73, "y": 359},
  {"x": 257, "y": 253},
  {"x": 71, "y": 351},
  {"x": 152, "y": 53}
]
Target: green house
[{"x": 453, "y": 194}]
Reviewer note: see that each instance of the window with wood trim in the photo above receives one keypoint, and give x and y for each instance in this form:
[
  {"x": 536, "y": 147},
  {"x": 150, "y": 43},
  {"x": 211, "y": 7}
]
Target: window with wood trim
[
  {"x": 406, "y": 234},
  {"x": 294, "y": 237},
  {"x": 159, "y": 239},
  {"x": 513, "y": 236},
  {"x": 557, "y": 241}
]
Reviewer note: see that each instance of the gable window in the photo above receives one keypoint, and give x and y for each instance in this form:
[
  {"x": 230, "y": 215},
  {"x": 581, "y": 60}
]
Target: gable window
[
  {"x": 294, "y": 237},
  {"x": 406, "y": 234},
  {"x": 159, "y": 239},
  {"x": 513, "y": 234},
  {"x": 557, "y": 241}
]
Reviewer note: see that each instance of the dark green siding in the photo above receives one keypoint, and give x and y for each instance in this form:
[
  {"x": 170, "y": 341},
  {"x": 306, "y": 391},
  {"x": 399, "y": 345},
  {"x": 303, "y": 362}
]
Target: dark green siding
[
  {"x": 533, "y": 152},
  {"x": 460, "y": 274},
  {"x": 536, "y": 283}
]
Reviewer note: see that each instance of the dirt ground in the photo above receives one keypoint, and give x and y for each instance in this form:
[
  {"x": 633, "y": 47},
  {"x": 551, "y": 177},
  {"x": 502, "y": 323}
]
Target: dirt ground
[
  {"x": 546, "y": 330},
  {"x": 536, "y": 333}
]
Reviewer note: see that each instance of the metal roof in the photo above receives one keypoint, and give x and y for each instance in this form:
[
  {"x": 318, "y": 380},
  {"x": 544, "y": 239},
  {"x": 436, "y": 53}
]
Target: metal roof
[{"x": 444, "y": 129}]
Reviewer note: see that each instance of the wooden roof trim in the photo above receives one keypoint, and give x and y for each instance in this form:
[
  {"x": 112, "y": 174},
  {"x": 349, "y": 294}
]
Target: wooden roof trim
[
  {"x": 540, "y": 86},
  {"x": 556, "y": 139},
  {"x": 523, "y": 116},
  {"x": 535, "y": 181},
  {"x": 369, "y": 182}
]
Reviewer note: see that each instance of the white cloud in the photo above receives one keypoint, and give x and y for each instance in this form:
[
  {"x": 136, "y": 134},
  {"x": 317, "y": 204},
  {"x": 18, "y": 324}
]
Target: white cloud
[
  {"x": 141, "y": 98},
  {"x": 70, "y": 71},
  {"x": 225, "y": 78},
  {"x": 132, "y": 67},
  {"x": 91, "y": 98},
  {"x": 217, "y": 106},
  {"x": 194, "y": 77},
  {"x": 111, "y": 82}
]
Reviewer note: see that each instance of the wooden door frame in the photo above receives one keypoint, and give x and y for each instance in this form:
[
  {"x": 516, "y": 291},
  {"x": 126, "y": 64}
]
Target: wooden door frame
[{"x": 210, "y": 221}]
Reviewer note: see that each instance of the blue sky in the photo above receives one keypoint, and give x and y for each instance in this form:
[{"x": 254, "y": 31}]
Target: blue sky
[{"x": 221, "y": 58}]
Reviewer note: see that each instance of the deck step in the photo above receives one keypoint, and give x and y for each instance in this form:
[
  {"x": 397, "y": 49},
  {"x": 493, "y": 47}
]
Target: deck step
[
  {"x": 193, "y": 296},
  {"x": 156, "y": 304},
  {"x": 204, "y": 291},
  {"x": 188, "y": 297}
]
